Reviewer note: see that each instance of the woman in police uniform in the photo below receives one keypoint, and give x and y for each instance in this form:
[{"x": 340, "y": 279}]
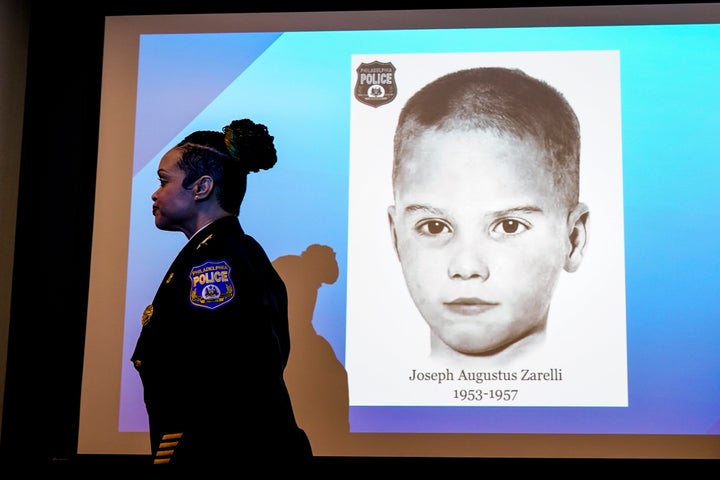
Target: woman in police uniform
[{"x": 215, "y": 340}]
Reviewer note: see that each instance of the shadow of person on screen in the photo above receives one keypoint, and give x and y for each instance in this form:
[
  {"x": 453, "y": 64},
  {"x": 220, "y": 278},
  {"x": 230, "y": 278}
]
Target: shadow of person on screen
[{"x": 316, "y": 380}]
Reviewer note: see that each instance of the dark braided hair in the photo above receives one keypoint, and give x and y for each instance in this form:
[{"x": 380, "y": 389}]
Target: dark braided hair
[{"x": 228, "y": 156}]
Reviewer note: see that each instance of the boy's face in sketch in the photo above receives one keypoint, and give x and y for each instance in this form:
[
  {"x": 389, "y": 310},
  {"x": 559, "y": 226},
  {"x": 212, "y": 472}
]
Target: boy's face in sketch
[{"x": 481, "y": 237}]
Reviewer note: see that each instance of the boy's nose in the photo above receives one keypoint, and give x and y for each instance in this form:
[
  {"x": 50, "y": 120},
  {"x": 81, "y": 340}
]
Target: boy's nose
[{"x": 468, "y": 260}]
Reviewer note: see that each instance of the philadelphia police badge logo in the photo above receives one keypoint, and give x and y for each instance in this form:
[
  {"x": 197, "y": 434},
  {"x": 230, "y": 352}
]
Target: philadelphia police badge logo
[
  {"x": 375, "y": 84},
  {"x": 210, "y": 285}
]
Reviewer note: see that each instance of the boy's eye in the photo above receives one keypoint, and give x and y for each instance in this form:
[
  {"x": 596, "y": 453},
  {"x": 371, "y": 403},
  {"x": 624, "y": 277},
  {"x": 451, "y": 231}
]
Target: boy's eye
[
  {"x": 162, "y": 182},
  {"x": 433, "y": 227},
  {"x": 509, "y": 226}
]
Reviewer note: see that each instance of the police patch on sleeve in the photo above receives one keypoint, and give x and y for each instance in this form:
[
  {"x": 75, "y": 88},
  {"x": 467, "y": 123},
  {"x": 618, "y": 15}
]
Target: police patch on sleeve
[{"x": 210, "y": 285}]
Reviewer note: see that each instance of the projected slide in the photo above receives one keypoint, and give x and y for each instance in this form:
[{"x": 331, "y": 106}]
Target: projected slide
[
  {"x": 580, "y": 357},
  {"x": 629, "y": 342}
]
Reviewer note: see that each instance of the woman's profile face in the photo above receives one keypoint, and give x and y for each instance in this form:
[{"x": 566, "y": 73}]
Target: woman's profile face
[
  {"x": 481, "y": 238},
  {"x": 173, "y": 204}
]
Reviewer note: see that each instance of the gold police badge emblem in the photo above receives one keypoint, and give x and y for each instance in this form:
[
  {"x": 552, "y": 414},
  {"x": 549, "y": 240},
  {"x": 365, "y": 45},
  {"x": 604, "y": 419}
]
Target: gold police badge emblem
[{"x": 147, "y": 313}]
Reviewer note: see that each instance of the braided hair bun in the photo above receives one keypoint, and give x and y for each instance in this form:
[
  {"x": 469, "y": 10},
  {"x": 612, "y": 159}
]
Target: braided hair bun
[{"x": 250, "y": 144}]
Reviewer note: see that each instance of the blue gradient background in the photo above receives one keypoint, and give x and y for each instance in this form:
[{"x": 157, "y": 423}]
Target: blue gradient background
[{"x": 299, "y": 84}]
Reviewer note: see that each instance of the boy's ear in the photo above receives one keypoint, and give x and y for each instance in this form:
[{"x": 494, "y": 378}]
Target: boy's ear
[
  {"x": 577, "y": 236},
  {"x": 391, "y": 223}
]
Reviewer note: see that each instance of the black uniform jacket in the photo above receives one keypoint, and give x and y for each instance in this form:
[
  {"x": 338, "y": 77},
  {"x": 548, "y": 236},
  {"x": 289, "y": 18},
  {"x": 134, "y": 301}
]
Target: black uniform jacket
[{"x": 212, "y": 352}]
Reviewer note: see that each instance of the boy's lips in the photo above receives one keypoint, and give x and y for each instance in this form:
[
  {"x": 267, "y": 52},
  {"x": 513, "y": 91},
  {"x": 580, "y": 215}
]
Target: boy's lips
[{"x": 470, "y": 306}]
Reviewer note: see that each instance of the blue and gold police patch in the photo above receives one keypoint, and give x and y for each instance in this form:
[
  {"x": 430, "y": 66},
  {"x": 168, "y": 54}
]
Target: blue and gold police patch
[{"x": 210, "y": 284}]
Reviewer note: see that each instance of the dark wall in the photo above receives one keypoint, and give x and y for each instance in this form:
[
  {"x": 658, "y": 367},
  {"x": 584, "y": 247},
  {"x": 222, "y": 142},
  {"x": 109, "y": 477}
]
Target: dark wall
[
  {"x": 14, "y": 21},
  {"x": 53, "y": 234}
]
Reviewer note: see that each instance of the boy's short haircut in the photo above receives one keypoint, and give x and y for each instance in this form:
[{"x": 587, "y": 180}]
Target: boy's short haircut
[{"x": 502, "y": 100}]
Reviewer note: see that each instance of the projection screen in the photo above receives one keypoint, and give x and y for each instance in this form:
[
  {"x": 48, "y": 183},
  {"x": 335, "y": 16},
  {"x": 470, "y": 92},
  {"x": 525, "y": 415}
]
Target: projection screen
[{"x": 630, "y": 367}]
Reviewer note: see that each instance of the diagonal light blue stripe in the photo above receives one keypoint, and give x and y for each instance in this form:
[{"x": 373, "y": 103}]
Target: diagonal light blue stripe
[{"x": 179, "y": 75}]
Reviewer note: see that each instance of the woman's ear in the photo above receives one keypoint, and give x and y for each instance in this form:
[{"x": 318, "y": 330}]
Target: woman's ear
[
  {"x": 577, "y": 236},
  {"x": 203, "y": 187}
]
